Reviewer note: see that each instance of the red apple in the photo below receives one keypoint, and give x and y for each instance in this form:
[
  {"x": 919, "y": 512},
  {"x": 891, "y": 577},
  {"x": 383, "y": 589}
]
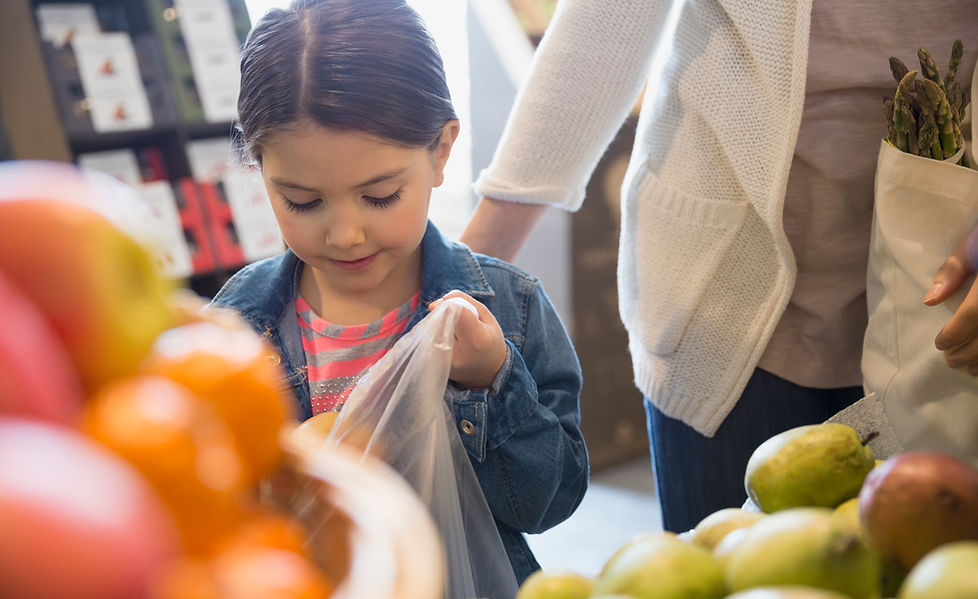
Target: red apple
[
  {"x": 99, "y": 288},
  {"x": 36, "y": 375},
  {"x": 76, "y": 521}
]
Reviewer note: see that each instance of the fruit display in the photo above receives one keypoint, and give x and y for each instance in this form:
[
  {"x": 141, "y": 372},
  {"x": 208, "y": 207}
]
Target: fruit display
[
  {"x": 146, "y": 446},
  {"x": 824, "y": 519}
]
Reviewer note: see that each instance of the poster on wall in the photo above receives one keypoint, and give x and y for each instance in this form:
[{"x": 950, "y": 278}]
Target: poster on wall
[
  {"x": 60, "y": 23},
  {"x": 213, "y": 48},
  {"x": 111, "y": 82}
]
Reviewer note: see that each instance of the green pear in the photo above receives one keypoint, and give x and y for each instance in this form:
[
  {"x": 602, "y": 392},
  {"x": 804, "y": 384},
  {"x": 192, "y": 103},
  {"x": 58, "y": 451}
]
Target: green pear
[
  {"x": 715, "y": 526},
  {"x": 818, "y": 465},
  {"x": 806, "y": 547},
  {"x": 786, "y": 592},
  {"x": 948, "y": 572},
  {"x": 846, "y": 516},
  {"x": 728, "y": 546},
  {"x": 661, "y": 566},
  {"x": 555, "y": 585}
]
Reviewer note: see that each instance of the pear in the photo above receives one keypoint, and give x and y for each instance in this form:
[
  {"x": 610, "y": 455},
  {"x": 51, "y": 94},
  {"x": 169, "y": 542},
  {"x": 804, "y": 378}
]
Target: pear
[
  {"x": 555, "y": 585},
  {"x": 819, "y": 465},
  {"x": 846, "y": 516},
  {"x": 917, "y": 501},
  {"x": 947, "y": 572},
  {"x": 661, "y": 566},
  {"x": 786, "y": 592},
  {"x": 728, "y": 545},
  {"x": 806, "y": 547},
  {"x": 715, "y": 526}
]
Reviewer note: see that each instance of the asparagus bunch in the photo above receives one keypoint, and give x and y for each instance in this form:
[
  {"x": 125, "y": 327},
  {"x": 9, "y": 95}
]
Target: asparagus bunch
[{"x": 924, "y": 115}]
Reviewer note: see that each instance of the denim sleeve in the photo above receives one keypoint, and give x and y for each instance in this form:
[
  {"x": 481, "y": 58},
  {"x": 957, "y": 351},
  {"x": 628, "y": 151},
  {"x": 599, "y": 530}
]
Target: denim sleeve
[{"x": 523, "y": 433}]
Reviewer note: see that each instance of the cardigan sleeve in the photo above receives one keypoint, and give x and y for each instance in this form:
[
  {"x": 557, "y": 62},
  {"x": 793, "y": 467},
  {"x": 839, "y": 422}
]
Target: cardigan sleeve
[{"x": 586, "y": 75}]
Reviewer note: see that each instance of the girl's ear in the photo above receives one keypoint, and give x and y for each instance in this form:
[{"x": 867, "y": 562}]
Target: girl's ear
[{"x": 449, "y": 133}]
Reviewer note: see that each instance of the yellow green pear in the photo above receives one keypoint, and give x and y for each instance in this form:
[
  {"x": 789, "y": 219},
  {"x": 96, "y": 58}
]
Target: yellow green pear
[
  {"x": 711, "y": 529},
  {"x": 947, "y": 572},
  {"x": 806, "y": 547},
  {"x": 818, "y": 465},
  {"x": 555, "y": 585},
  {"x": 661, "y": 566},
  {"x": 786, "y": 592},
  {"x": 728, "y": 545}
]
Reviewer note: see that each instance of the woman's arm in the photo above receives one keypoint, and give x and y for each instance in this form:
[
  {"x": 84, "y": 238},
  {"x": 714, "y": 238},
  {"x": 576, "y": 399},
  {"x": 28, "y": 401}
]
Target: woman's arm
[{"x": 500, "y": 228}]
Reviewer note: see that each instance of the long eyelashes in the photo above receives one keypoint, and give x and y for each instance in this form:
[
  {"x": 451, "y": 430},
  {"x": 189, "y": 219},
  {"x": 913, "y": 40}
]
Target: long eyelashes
[
  {"x": 384, "y": 202},
  {"x": 300, "y": 207}
]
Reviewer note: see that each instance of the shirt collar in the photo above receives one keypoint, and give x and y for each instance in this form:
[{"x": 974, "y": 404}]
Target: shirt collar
[{"x": 448, "y": 266}]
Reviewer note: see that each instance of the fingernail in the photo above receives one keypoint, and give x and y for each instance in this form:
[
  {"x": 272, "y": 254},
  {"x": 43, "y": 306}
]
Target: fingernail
[{"x": 933, "y": 292}]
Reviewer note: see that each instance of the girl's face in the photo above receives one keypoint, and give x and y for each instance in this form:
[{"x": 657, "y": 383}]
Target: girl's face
[{"x": 354, "y": 208}]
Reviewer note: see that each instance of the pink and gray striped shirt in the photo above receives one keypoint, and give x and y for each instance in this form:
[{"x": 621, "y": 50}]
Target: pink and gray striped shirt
[{"x": 337, "y": 355}]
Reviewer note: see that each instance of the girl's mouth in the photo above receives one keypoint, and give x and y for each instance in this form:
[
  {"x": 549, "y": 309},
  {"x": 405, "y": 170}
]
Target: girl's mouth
[{"x": 354, "y": 265}]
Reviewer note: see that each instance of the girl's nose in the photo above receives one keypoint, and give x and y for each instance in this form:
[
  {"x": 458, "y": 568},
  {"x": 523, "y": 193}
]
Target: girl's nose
[{"x": 345, "y": 230}]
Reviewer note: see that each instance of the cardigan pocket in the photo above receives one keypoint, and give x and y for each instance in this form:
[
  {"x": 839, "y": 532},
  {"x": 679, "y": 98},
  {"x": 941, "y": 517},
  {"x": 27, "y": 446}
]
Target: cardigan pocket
[{"x": 672, "y": 244}]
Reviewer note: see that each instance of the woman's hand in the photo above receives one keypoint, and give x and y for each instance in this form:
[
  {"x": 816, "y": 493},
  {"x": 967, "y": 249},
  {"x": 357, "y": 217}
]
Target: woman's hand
[
  {"x": 480, "y": 349},
  {"x": 957, "y": 338}
]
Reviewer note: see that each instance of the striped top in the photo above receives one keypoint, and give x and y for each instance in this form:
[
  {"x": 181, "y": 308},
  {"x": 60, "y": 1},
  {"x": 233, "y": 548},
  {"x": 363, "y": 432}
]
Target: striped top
[{"x": 337, "y": 355}]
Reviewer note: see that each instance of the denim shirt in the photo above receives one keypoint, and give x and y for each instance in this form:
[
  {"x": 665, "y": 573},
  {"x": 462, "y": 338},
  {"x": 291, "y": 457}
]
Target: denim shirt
[{"x": 522, "y": 434}]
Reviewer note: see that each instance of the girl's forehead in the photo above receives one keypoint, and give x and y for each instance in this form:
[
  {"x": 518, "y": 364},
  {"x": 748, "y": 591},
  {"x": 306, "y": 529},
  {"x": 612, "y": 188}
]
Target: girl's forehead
[{"x": 349, "y": 158}]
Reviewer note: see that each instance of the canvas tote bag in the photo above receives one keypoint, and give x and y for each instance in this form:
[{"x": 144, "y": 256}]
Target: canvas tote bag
[{"x": 922, "y": 209}]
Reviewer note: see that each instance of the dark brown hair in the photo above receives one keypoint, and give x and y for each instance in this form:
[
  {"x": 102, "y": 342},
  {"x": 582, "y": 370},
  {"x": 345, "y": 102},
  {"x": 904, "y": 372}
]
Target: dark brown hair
[{"x": 361, "y": 65}]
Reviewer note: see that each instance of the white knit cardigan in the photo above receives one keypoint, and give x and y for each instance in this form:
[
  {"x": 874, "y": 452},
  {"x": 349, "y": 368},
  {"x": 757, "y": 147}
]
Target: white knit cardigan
[{"x": 705, "y": 269}]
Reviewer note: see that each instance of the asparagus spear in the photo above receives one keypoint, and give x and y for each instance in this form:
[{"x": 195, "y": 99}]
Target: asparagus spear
[
  {"x": 888, "y": 118},
  {"x": 898, "y": 68},
  {"x": 903, "y": 118},
  {"x": 929, "y": 68},
  {"x": 930, "y": 145},
  {"x": 957, "y": 51},
  {"x": 942, "y": 115}
]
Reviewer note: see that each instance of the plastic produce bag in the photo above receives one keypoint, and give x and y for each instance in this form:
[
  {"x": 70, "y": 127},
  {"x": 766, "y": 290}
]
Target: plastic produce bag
[{"x": 398, "y": 412}]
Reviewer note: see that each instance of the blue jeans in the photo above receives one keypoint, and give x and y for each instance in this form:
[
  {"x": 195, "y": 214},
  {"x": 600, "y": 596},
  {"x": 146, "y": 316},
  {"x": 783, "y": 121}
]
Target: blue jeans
[{"x": 697, "y": 475}]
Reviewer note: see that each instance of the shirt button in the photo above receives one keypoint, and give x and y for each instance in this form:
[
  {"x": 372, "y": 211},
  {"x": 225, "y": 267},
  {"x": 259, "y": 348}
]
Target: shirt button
[
  {"x": 273, "y": 359},
  {"x": 467, "y": 427}
]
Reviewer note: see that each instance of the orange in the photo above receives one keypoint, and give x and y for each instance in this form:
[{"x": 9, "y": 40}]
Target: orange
[
  {"x": 313, "y": 432},
  {"x": 237, "y": 373},
  {"x": 181, "y": 446},
  {"x": 244, "y": 572},
  {"x": 248, "y": 571},
  {"x": 357, "y": 433},
  {"x": 270, "y": 528},
  {"x": 185, "y": 579}
]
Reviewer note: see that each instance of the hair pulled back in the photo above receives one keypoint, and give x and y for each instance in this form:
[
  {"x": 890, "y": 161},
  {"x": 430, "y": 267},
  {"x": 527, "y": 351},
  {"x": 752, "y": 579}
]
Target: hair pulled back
[{"x": 361, "y": 65}]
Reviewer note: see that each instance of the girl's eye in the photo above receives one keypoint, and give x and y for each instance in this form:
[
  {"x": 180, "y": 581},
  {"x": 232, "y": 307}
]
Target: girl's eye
[
  {"x": 300, "y": 207},
  {"x": 384, "y": 202}
]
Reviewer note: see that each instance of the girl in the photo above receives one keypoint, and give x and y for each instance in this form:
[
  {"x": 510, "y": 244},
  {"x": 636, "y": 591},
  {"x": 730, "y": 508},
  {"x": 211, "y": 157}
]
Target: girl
[{"x": 345, "y": 109}]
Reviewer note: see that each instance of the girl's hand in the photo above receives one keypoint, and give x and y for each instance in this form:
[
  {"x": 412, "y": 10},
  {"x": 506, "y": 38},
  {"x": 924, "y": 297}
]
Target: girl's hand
[
  {"x": 957, "y": 339},
  {"x": 480, "y": 349}
]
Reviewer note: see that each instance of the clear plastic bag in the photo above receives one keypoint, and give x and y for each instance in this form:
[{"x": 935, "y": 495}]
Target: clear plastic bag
[{"x": 397, "y": 412}]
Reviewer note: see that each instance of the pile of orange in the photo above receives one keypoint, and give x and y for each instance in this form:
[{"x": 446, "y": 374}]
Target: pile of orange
[
  {"x": 201, "y": 419},
  {"x": 189, "y": 403}
]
